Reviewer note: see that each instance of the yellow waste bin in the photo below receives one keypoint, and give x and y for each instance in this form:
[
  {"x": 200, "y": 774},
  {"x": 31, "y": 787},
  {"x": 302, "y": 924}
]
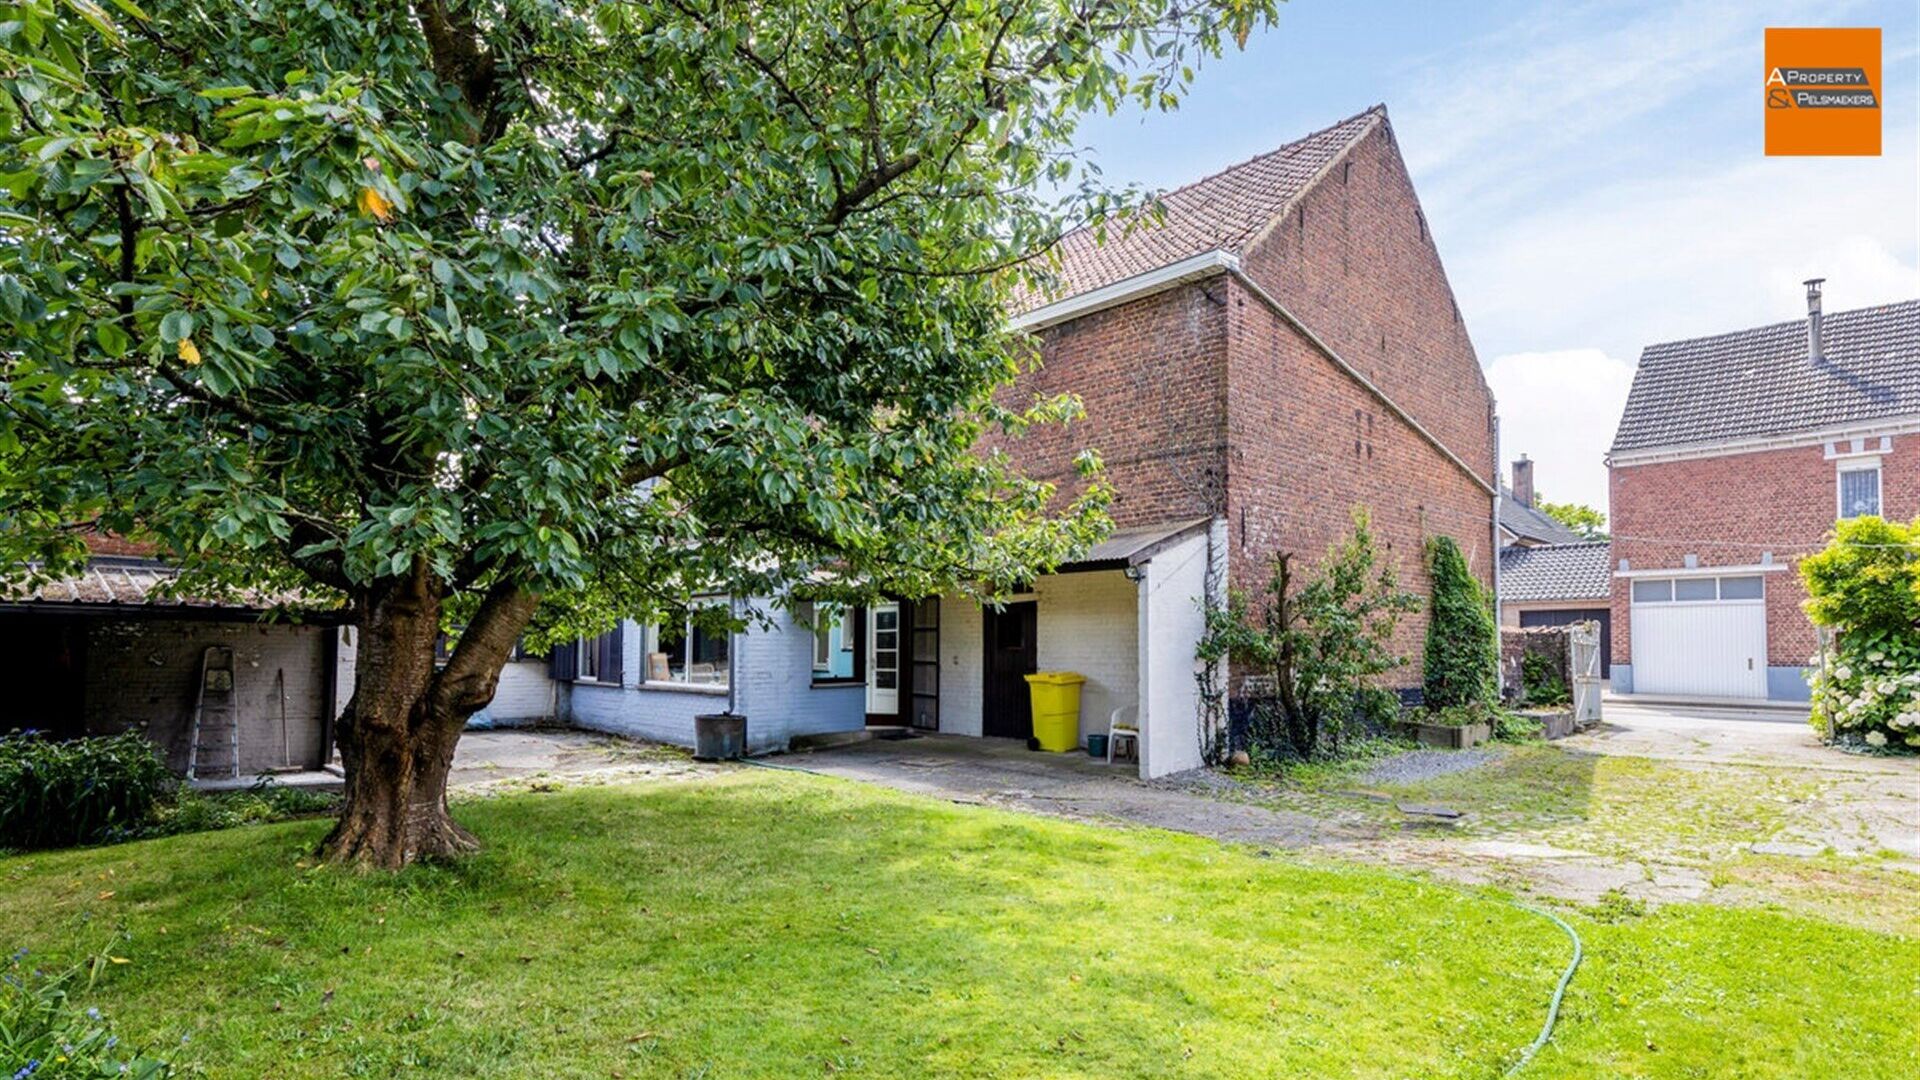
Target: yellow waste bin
[{"x": 1056, "y": 709}]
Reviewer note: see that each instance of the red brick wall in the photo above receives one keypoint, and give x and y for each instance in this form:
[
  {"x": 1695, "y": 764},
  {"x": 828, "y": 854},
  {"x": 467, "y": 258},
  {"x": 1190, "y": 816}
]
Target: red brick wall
[
  {"x": 1203, "y": 401},
  {"x": 1355, "y": 262},
  {"x": 1308, "y": 441},
  {"x": 1728, "y": 510},
  {"x": 1152, "y": 375}
]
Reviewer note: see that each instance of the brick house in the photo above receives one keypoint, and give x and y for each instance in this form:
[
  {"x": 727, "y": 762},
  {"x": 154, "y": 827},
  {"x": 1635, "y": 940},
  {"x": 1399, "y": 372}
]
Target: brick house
[
  {"x": 1281, "y": 347},
  {"x": 1734, "y": 457}
]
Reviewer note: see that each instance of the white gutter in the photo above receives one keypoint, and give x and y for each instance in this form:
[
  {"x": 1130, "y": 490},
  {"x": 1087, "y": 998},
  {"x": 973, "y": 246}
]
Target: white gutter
[
  {"x": 1166, "y": 277},
  {"x": 1864, "y": 429}
]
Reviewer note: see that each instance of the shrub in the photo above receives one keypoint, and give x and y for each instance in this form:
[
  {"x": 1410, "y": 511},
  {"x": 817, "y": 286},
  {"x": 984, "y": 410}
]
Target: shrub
[
  {"x": 1865, "y": 587},
  {"x": 61, "y": 792},
  {"x": 44, "y": 1033},
  {"x": 1463, "y": 651},
  {"x": 1540, "y": 679},
  {"x": 1323, "y": 645}
]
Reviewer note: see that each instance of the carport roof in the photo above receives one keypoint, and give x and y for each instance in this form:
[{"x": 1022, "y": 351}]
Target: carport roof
[
  {"x": 124, "y": 584},
  {"x": 1136, "y": 544}
]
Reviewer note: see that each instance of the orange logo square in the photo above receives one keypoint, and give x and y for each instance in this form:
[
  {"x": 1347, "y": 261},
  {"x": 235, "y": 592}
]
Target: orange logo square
[{"x": 1823, "y": 91}]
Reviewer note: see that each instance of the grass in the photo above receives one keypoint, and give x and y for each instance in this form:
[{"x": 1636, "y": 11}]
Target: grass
[{"x": 778, "y": 925}]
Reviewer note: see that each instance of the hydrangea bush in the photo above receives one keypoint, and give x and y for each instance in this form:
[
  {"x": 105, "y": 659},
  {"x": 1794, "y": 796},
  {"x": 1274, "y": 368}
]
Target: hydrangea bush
[{"x": 1865, "y": 589}]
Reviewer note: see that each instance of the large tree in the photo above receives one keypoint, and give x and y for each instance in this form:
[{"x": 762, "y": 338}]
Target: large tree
[{"x": 437, "y": 310}]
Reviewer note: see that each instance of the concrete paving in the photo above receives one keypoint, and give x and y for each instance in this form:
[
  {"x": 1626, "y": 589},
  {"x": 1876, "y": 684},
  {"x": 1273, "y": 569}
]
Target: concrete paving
[
  {"x": 1003, "y": 772},
  {"x": 1764, "y": 736}
]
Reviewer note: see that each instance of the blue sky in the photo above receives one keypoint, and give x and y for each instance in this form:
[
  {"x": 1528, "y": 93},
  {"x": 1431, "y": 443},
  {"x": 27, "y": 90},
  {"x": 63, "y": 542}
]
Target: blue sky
[{"x": 1593, "y": 174}]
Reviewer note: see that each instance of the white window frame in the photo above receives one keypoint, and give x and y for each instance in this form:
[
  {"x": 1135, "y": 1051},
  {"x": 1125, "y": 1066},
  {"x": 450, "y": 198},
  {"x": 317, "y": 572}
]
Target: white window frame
[
  {"x": 652, "y": 642},
  {"x": 586, "y": 658},
  {"x": 1857, "y": 465},
  {"x": 1673, "y": 589}
]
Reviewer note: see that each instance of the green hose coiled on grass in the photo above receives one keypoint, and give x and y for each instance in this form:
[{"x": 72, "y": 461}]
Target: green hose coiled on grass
[{"x": 1560, "y": 991}]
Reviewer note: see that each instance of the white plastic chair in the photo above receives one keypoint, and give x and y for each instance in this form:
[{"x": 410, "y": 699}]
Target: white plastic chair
[{"x": 1117, "y": 729}]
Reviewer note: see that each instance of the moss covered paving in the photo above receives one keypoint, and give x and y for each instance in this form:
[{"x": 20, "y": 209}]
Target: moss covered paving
[{"x": 772, "y": 924}]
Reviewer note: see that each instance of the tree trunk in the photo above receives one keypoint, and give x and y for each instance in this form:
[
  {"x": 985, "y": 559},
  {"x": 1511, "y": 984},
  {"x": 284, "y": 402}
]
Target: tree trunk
[{"x": 400, "y": 728}]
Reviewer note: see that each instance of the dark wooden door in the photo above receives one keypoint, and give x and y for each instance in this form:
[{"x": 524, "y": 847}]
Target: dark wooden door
[{"x": 1011, "y": 654}]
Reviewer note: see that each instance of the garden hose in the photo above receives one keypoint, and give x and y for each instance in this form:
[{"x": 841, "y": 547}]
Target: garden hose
[
  {"x": 1553, "y": 1004},
  {"x": 1560, "y": 991}
]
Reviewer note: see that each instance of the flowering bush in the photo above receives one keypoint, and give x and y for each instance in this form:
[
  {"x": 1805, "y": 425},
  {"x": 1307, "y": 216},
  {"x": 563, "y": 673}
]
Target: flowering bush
[
  {"x": 1871, "y": 688},
  {"x": 1865, "y": 587},
  {"x": 44, "y": 1035}
]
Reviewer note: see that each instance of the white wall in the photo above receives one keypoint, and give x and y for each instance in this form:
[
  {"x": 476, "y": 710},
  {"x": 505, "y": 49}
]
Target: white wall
[
  {"x": 524, "y": 696},
  {"x": 1171, "y": 623},
  {"x": 961, "y": 676},
  {"x": 1087, "y": 624}
]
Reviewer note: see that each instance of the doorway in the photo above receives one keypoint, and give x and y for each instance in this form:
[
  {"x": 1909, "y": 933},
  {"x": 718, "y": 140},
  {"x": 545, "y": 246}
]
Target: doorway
[
  {"x": 883, "y": 661},
  {"x": 1012, "y": 652}
]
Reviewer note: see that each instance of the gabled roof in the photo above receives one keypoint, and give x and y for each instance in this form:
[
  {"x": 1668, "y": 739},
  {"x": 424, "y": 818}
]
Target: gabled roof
[
  {"x": 1760, "y": 382},
  {"x": 1527, "y": 523},
  {"x": 1223, "y": 212},
  {"x": 1582, "y": 571}
]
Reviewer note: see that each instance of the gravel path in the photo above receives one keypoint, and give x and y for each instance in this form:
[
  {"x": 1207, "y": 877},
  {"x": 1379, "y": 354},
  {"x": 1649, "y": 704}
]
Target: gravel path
[{"x": 1417, "y": 765}]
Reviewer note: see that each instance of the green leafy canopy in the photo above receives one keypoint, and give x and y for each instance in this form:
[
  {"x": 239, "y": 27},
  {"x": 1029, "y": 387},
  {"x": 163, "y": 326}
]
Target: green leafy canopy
[{"x": 615, "y": 300}]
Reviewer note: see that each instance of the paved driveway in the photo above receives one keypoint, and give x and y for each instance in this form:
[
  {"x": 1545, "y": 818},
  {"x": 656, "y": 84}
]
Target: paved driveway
[{"x": 1729, "y": 735}]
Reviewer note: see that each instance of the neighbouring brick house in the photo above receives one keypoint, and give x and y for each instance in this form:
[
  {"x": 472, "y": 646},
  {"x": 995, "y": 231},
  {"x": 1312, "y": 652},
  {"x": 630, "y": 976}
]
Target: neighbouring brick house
[
  {"x": 1549, "y": 575},
  {"x": 1735, "y": 455},
  {"x": 1282, "y": 347}
]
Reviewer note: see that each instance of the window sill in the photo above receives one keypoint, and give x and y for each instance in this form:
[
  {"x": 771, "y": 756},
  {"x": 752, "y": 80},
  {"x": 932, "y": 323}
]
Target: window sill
[
  {"x": 595, "y": 682},
  {"x": 709, "y": 689},
  {"x": 836, "y": 684}
]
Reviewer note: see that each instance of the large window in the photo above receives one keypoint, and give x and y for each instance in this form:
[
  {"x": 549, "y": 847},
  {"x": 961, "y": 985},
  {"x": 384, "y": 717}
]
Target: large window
[
  {"x": 690, "y": 648},
  {"x": 1860, "y": 491},
  {"x": 834, "y": 639}
]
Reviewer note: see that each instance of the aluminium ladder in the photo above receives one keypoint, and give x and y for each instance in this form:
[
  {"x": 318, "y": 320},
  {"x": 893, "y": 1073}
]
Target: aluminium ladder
[{"x": 216, "y": 718}]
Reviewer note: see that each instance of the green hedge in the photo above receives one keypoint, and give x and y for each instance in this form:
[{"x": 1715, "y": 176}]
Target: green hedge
[
  {"x": 1463, "y": 641},
  {"x": 62, "y": 792}
]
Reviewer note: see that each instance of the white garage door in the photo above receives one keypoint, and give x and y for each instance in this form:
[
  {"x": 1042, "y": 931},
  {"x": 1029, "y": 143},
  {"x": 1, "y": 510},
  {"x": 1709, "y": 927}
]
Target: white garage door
[{"x": 1700, "y": 636}]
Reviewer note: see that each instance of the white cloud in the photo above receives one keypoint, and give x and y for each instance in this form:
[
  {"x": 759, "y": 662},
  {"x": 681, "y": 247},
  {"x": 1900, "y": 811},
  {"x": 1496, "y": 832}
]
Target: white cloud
[{"x": 1561, "y": 409}]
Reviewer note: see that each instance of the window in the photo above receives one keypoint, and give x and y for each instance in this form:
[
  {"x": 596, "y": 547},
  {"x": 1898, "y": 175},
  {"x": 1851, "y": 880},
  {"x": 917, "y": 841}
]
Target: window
[
  {"x": 833, "y": 643},
  {"x": 597, "y": 658},
  {"x": 691, "y": 649},
  {"x": 1699, "y": 588},
  {"x": 1860, "y": 492}
]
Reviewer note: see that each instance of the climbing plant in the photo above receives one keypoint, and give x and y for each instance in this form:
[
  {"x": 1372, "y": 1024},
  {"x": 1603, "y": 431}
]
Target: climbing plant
[{"x": 1463, "y": 647}]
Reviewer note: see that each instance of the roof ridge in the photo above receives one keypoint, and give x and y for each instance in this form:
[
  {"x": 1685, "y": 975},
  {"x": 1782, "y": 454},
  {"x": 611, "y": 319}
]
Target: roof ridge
[
  {"x": 1379, "y": 109},
  {"x": 1801, "y": 321}
]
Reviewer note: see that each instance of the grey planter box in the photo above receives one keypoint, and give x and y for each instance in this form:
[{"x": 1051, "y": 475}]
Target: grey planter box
[
  {"x": 1448, "y": 737},
  {"x": 1554, "y": 723}
]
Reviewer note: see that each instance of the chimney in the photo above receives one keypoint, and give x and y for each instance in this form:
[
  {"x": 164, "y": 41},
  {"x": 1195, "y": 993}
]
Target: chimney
[
  {"x": 1814, "y": 346},
  {"x": 1523, "y": 482}
]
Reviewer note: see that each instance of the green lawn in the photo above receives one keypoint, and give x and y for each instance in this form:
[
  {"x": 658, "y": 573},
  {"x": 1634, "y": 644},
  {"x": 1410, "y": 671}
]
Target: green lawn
[{"x": 779, "y": 925}]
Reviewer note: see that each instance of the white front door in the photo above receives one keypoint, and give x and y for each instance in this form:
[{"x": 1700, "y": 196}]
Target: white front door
[
  {"x": 883, "y": 659},
  {"x": 1699, "y": 637}
]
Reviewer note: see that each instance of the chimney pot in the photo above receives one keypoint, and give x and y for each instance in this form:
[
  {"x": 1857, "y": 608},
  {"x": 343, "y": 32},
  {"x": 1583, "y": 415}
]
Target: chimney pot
[
  {"x": 1814, "y": 345},
  {"x": 1523, "y": 482}
]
